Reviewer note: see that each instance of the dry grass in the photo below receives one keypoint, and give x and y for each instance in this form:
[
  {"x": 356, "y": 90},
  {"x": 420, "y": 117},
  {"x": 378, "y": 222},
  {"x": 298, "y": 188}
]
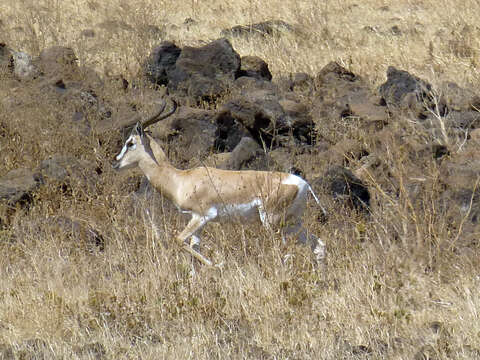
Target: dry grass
[
  {"x": 431, "y": 38},
  {"x": 395, "y": 284}
]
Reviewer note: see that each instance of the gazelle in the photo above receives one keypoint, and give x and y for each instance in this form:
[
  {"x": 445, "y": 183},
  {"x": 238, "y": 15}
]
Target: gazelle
[{"x": 210, "y": 194}]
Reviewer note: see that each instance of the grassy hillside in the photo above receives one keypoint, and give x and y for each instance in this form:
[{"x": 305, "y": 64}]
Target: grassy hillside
[{"x": 400, "y": 283}]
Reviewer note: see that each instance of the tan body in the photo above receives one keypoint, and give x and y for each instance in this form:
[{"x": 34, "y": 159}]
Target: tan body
[{"x": 210, "y": 194}]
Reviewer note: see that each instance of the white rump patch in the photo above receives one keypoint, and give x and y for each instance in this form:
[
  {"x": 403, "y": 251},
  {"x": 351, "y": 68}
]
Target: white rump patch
[{"x": 294, "y": 180}]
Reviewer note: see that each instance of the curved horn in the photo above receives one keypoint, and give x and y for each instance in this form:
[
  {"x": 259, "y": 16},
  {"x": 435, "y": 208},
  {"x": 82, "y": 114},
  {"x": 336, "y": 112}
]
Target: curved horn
[{"x": 158, "y": 115}]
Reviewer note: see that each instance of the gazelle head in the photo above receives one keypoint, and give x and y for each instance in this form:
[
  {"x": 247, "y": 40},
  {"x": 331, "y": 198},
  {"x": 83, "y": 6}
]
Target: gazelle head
[
  {"x": 137, "y": 146},
  {"x": 133, "y": 150}
]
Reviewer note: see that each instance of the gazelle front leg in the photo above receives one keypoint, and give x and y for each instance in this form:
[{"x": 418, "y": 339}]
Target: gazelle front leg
[{"x": 194, "y": 225}]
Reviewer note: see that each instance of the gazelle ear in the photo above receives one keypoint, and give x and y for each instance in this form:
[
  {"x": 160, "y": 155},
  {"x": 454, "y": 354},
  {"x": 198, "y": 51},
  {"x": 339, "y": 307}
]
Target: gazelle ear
[{"x": 139, "y": 129}]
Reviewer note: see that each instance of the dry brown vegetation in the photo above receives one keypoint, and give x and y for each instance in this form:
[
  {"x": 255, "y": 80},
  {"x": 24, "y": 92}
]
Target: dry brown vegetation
[{"x": 400, "y": 283}]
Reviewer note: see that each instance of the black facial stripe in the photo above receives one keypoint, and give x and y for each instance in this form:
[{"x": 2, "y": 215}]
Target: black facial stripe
[{"x": 146, "y": 144}]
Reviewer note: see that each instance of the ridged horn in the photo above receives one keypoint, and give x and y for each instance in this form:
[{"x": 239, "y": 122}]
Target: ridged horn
[{"x": 158, "y": 114}]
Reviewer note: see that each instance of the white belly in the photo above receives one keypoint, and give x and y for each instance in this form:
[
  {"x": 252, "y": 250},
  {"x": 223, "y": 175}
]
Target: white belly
[{"x": 247, "y": 211}]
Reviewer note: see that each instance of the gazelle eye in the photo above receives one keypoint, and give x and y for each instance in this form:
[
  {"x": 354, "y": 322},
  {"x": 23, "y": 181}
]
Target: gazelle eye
[{"x": 130, "y": 145}]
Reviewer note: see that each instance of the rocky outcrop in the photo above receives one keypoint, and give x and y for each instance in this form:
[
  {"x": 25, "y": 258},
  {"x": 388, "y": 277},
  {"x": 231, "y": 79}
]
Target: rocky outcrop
[
  {"x": 253, "y": 66},
  {"x": 343, "y": 94},
  {"x": 190, "y": 133},
  {"x": 263, "y": 29},
  {"x": 203, "y": 73},
  {"x": 345, "y": 187},
  {"x": 404, "y": 91},
  {"x": 18, "y": 185},
  {"x": 271, "y": 120}
]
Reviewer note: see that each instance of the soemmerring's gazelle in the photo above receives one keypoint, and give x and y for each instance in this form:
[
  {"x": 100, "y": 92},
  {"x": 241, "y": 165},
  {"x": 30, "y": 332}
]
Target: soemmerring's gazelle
[{"x": 210, "y": 194}]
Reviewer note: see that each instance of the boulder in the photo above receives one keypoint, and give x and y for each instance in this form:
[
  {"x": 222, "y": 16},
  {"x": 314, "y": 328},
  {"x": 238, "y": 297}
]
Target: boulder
[
  {"x": 244, "y": 153},
  {"x": 340, "y": 94},
  {"x": 299, "y": 120},
  {"x": 229, "y": 132},
  {"x": 69, "y": 171},
  {"x": 253, "y": 66},
  {"x": 301, "y": 83},
  {"x": 161, "y": 62},
  {"x": 59, "y": 61},
  {"x": 78, "y": 98},
  {"x": 262, "y": 29},
  {"x": 260, "y": 109},
  {"x": 344, "y": 186},
  {"x": 6, "y": 56},
  {"x": 203, "y": 72},
  {"x": 207, "y": 71},
  {"x": 403, "y": 91},
  {"x": 459, "y": 99},
  {"x": 190, "y": 133},
  {"x": 18, "y": 185}
]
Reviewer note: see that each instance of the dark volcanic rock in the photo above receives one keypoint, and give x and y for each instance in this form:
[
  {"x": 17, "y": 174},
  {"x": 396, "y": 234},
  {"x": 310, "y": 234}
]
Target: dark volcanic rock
[
  {"x": 407, "y": 92},
  {"x": 340, "y": 93},
  {"x": 18, "y": 185},
  {"x": 202, "y": 73},
  {"x": 301, "y": 83},
  {"x": 253, "y": 66},
  {"x": 343, "y": 185},
  {"x": 459, "y": 99},
  {"x": 68, "y": 171},
  {"x": 5, "y": 56},
  {"x": 262, "y": 29},
  {"x": 207, "y": 71},
  {"x": 270, "y": 120},
  {"x": 161, "y": 62},
  {"x": 229, "y": 132},
  {"x": 58, "y": 61},
  {"x": 246, "y": 152},
  {"x": 190, "y": 133}
]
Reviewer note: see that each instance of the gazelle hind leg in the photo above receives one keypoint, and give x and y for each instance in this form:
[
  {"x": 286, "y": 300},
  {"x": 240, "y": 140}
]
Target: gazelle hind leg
[
  {"x": 263, "y": 217},
  {"x": 269, "y": 220},
  {"x": 316, "y": 244},
  {"x": 195, "y": 245},
  {"x": 195, "y": 242}
]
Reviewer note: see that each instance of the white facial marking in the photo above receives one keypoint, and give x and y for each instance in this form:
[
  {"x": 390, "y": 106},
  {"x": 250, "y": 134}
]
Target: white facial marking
[{"x": 125, "y": 149}]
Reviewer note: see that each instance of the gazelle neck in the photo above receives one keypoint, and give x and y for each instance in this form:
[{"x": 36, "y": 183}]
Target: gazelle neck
[
  {"x": 160, "y": 172},
  {"x": 157, "y": 151}
]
